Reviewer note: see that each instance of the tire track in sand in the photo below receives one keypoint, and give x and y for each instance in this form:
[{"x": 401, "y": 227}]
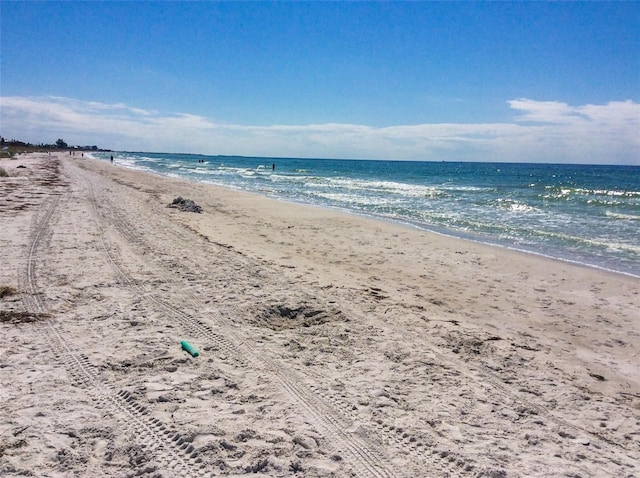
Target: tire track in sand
[
  {"x": 364, "y": 456},
  {"x": 167, "y": 446}
]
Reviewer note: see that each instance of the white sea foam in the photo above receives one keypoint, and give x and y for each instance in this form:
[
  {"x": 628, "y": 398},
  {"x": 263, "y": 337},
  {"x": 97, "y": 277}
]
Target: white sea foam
[
  {"x": 514, "y": 206},
  {"x": 626, "y": 217},
  {"x": 388, "y": 187}
]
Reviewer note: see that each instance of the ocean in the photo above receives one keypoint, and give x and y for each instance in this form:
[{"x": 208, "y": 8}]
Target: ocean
[{"x": 579, "y": 213}]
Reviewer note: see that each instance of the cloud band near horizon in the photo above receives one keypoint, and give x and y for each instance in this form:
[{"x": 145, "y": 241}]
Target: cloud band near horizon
[{"x": 541, "y": 131}]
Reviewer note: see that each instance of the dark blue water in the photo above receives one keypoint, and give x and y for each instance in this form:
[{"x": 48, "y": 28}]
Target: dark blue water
[{"x": 582, "y": 213}]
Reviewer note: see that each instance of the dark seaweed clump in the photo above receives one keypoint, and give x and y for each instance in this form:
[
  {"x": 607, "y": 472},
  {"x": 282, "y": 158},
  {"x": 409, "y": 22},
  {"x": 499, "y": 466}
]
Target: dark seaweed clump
[{"x": 185, "y": 205}]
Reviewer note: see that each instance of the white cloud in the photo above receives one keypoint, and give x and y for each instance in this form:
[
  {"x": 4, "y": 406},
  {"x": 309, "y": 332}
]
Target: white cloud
[
  {"x": 542, "y": 131},
  {"x": 545, "y": 111},
  {"x": 614, "y": 112}
]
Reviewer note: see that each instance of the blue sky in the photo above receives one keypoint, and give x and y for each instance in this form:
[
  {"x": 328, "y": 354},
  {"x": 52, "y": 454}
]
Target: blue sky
[{"x": 500, "y": 81}]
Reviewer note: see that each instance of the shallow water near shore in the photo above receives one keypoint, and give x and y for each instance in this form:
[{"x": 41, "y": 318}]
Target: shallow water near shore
[{"x": 588, "y": 214}]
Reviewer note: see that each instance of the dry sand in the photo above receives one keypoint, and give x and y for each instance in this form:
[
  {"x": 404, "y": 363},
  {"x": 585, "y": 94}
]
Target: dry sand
[{"x": 331, "y": 345}]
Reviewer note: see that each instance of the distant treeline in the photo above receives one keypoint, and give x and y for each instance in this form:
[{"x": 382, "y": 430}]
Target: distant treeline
[{"x": 14, "y": 144}]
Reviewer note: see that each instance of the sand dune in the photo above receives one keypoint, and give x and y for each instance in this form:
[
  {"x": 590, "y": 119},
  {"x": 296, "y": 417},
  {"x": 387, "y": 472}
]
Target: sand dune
[{"x": 331, "y": 345}]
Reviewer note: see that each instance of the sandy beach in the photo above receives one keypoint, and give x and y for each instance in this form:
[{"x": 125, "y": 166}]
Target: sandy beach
[{"x": 330, "y": 345}]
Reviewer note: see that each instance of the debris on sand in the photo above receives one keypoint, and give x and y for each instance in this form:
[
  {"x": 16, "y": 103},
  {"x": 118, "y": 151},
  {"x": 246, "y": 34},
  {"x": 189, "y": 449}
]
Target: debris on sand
[
  {"x": 6, "y": 291},
  {"x": 185, "y": 205},
  {"x": 16, "y": 317}
]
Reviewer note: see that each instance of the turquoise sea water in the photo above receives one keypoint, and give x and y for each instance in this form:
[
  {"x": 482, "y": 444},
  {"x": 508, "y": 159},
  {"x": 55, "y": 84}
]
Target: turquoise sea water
[{"x": 581, "y": 213}]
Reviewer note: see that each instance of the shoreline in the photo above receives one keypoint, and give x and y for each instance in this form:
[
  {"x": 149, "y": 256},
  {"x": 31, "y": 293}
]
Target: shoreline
[
  {"x": 539, "y": 250},
  {"x": 330, "y": 344},
  {"x": 451, "y": 235}
]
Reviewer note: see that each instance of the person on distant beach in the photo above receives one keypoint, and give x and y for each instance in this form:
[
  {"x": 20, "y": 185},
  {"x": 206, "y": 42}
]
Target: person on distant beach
[
  {"x": 112, "y": 159},
  {"x": 273, "y": 167}
]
